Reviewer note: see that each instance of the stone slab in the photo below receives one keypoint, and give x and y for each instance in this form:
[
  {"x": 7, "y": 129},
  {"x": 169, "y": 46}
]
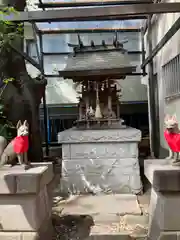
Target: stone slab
[
  {"x": 74, "y": 135},
  {"x": 103, "y": 206},
  {"x": 134, "y": 220},
  {"x": 162, "y": 175},
  {"x": 109, "y": 236},
  {"x": 16, "y": 180},
  {"x": 100, "y": 150}
]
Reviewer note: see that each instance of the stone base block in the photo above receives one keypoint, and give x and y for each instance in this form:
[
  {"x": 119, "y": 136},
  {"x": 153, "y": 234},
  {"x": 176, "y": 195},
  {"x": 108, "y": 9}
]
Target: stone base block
[
  {"x": 102, "y": 159},
  {"x": 30, "y": 211},
  {"x": 175, "y": 235},
  {"x": 25, "y": 199},
  {"x": 162, "y": 175},
  {"x": 116, "y": 175},
  {"x": 164, "y": 210},
  {"x": 44, "y": 233}
]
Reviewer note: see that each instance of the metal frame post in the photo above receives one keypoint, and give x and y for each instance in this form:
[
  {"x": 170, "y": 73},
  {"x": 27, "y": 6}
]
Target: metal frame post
[
  {"x": 44, "y": 98},
  {"x": 151, "y": 96}
]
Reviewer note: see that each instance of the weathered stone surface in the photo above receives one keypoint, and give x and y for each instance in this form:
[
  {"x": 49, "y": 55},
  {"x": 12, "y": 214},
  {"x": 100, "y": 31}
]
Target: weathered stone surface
[
  {"x": 25, "y": 200},
  {"x": 115, "y": 236},
  {"x": 167, "y": 180},
  {"x": 134, "y": 220},
  {"x": 118, "y": 175},
  {"x": 100, "y": 160},
  {"x": 44, "y": 233},
  {"x": 10, "y": 235},
  {"x": 162, "y": 175},
  {"x": 164, "y": 210},
  {"x": 100, "y": 207},
  {"x": 23, "y": 213},
  {"x": 100, "y": 150},
  {"x": 74, "y": 135},
  {"x": 168, "y": 236},
  {"x": 16, "y": 180}
]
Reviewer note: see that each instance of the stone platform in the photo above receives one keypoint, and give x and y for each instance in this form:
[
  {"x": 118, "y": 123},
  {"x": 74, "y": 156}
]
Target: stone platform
[
  {"x": 119, "y": 216},
  {"x": 164, "y": 210},
  {"x": 26, "y": 202},
  {"x": 100, "y": 161}
]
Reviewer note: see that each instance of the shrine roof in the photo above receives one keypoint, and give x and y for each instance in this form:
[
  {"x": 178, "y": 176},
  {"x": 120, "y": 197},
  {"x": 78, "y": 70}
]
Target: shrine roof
[{"x": 100, "y": 62}]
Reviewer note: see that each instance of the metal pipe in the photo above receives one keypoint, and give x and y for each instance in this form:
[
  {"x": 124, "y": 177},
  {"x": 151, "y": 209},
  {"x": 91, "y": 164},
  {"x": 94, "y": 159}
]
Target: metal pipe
[
  {"x": 143, "y": 52},
  {"x": 170, "y": 33},
  {"x": 133, "y": 11},
  {"x": 96, "y": 30},
  {"x": 88, "y": 3},
  {"x": 151, "y": 97},
  {"x": 44, "y": 99}
]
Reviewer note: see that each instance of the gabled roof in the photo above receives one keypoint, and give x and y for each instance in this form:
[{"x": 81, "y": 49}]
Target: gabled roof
[{"x": 97, "y": 63}]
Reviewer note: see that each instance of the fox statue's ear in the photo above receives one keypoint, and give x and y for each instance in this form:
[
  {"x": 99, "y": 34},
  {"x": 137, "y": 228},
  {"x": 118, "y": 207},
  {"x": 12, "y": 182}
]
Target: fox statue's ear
[
  {"x": 167, "y": 117},
  {"x": 174, "y": 117},
  {"x": 26, "y": 123},
  {"x": 19, "y": 124}
]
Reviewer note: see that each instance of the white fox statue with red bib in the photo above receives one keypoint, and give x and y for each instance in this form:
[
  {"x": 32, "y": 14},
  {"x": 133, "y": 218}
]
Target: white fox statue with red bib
[
  {"x": 172, "y": 136},
  {"x": 18, "y": 147}
]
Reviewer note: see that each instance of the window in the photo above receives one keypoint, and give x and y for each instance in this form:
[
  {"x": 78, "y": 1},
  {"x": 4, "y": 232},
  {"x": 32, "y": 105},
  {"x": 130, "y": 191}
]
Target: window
[
  {"x": 171, "y": 77},
  {"x": 31, "y": 49}
]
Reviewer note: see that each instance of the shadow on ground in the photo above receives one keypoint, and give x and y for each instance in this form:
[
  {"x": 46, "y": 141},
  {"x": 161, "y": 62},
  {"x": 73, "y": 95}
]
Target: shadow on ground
[{"x": 72, "y": 226}]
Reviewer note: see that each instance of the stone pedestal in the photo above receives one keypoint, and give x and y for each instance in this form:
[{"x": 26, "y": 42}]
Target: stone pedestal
[
  {"x": 165, "y": 199},
  {"x": 26, "y": 202},
  {"x": 100, "y": 160}
]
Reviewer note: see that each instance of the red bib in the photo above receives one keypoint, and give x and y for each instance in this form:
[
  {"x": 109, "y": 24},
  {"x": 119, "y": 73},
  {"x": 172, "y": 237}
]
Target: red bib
[
  {"x": 173, "y": 140},
  {"x": 21, "y": 144}
]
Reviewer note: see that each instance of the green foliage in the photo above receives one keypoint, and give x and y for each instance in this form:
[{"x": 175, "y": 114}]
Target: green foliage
[
  {"x": 6, "y": 128},
  {"x": 9, "y": 31},
  {"x": 8, "y": 80}
]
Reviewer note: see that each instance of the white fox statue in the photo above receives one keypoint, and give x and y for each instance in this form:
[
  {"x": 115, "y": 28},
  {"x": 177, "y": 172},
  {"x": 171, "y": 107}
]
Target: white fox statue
[
  {"x": 18, "y": 147},
  {"x": 172, "y": 136}
]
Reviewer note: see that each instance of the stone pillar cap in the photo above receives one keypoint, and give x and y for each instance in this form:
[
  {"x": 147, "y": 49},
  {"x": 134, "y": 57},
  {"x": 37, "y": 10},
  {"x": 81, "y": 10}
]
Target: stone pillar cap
[{"x": 16, "y": 180}]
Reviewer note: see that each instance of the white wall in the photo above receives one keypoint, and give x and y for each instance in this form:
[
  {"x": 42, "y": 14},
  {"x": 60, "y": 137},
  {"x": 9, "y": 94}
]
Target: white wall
[{"x": 168, "y": 52}]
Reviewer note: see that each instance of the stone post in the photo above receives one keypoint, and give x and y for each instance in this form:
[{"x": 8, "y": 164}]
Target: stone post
[
  {"x": 26, "y": 202},
  {"x": 164, "y": 211}
]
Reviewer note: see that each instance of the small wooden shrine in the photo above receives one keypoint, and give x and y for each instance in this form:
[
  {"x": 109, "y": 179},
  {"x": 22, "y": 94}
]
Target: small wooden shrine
[{"x": 96, "y": 69}]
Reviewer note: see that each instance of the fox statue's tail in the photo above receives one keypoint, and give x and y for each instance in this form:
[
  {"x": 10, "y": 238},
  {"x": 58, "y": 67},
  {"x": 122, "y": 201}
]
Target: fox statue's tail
[{"x": 7, "y": 154}]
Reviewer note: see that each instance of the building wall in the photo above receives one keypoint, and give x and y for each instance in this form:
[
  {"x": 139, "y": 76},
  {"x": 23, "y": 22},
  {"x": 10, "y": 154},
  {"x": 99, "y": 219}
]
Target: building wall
[
  {"x": 165, "y": 56},
  {"x": 62, "y": 91}
]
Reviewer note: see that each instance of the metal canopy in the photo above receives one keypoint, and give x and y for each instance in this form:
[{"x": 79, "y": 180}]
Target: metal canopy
[{"x": 96, "y": 13}]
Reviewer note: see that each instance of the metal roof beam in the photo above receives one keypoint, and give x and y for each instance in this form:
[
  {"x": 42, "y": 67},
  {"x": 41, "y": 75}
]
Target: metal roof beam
[
  {"x": 96, "y": 30},
  {"x": 90, "y": 3},
  {"x": 96, "y": 13}
]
